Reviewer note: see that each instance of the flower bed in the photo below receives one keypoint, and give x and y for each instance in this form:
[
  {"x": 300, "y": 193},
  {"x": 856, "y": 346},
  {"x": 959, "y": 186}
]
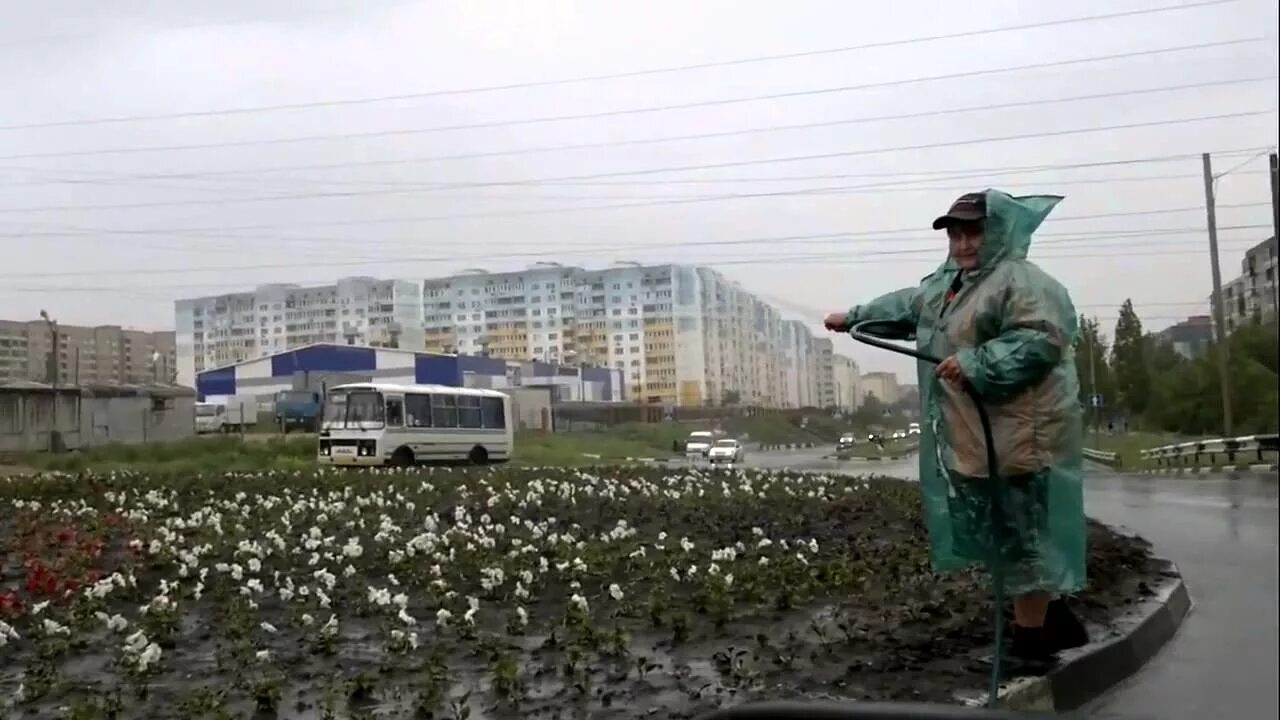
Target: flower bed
[{"x": 507, "y": 593}]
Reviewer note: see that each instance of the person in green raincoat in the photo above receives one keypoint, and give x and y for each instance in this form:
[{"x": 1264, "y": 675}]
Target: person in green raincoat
[{"x": 1007, "y": 329}]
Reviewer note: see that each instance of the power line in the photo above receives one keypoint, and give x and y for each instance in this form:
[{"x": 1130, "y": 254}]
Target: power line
[
  {"x": 346, "y": 262},
  {"x": 888, "y": 187},
  {"x": 914, "y": 175},
  {"x": 665, "y": 139},
  {"x": 1236, "y": 167},
  {"x": 648, "y": 171},
  {"x": 611, "y": 76}
]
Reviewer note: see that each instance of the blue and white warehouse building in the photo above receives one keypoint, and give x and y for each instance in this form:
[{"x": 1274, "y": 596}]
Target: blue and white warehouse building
[{"x": 311, "y": 365}]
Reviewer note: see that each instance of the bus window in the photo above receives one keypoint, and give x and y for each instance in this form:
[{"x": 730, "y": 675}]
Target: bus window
[
  {"x": 417, "y": 411},
  {"x": 364, "y": 407},
  {"x": 494, "y": 417},
  {"x": 444, "y": 411},
  {"x": 468, "y": 411},
  {"x": 395, "y": 412}
]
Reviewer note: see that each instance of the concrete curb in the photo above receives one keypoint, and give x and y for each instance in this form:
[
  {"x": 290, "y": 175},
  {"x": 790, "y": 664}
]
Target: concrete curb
[{"x": 1087, "y": 673}]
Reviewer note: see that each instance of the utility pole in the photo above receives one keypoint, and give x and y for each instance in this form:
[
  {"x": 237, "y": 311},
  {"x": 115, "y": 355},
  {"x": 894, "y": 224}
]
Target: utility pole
[
  {"x": 1275, "y": 235},
  {"x": 1218, "y": 313},
  {"x": 1095, "y": 397}
]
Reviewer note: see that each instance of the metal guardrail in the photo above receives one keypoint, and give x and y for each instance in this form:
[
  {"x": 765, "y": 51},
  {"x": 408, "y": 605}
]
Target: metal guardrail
[
  {"x": 787, "y": 446},
  {"x": 1236, "y": 449},
  {"x": 863, "y": 711},
  {"x": 1100, "y": 456}
]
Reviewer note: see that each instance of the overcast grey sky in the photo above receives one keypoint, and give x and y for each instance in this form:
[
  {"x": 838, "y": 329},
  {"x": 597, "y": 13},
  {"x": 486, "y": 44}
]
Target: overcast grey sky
[{"x": 103, "y": 220}]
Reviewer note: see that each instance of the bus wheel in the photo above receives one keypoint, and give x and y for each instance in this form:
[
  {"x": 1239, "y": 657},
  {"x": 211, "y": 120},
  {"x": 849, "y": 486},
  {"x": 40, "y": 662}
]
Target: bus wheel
[
  {"x": 479, "y": 456},
  {"x": 402, "y": 457}
]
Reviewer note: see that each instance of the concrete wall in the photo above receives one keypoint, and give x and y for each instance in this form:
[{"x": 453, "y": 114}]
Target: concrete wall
[
  {"x": 531, "y": 407},
  {"x": 88, "y": 417}
]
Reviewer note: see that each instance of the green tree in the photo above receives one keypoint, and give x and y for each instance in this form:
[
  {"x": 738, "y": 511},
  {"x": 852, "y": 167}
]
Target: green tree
[
  {"x": 1186, "y": 396},
  {"x": 1129, "y": 362}
]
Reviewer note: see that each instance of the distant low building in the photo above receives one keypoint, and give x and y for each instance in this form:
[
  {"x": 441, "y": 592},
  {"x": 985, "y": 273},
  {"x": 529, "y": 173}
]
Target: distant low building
[
  {"x": 1189, "y": 338},
  {"x": 313, "y": 367},
  {"x": 882, "y": 385}
]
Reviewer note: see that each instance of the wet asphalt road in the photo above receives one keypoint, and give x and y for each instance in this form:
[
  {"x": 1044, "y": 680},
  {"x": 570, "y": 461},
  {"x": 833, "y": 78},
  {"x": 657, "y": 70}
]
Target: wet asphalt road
[{"x": 1223, "y": 535}]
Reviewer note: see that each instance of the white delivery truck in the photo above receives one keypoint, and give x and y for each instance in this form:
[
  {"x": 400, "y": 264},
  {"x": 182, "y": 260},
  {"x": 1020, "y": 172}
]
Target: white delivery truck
[{"x": 226, "y": 414}]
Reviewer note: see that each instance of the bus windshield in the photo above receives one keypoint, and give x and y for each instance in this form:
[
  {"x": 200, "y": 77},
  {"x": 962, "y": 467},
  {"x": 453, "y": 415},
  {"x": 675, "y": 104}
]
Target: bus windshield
[{"x": 356, "y": 409}]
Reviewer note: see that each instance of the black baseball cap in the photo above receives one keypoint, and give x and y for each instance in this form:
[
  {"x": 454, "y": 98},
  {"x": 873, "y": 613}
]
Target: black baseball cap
[{"x": 967, "y": 208}]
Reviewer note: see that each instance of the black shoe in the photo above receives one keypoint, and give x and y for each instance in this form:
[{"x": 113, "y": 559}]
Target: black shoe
[
  {"x": 1031, "y": 644},
  {"x": 1063, "y": 630}
]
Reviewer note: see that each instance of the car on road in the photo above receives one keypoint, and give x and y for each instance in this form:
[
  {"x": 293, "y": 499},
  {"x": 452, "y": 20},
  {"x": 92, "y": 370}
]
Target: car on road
[
  {"x": 698, "y": 444},
  {"x": 846, "y": 442},
  {"x": 875, "y": 437},
  {"x": 913, "y": 429},
  {"x": 726, "y": 452},
  {"x": 899, "y": 434}
]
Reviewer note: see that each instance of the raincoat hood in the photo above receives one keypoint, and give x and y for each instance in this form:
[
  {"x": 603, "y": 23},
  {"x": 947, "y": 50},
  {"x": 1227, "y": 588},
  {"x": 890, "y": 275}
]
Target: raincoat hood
[{"x": 1010, "y": 223}]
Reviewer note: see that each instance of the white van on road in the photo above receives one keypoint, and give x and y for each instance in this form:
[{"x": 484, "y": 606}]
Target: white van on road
[{"x": 698, "y": 444}]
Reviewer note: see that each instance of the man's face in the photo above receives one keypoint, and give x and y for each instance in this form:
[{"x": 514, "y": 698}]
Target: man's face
[{"x": 965, "y": 240}]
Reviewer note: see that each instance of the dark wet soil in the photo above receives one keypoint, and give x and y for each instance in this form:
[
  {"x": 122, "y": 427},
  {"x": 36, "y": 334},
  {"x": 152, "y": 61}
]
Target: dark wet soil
[{"x": 863, "y": 618}]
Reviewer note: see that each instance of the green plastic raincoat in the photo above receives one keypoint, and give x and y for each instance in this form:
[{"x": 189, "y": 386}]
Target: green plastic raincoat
[{"x": 1011, "y": 327}]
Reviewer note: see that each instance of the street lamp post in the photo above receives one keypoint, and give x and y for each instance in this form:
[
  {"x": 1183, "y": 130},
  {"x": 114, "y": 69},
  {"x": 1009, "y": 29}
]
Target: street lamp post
[{"x": 52, "y": 370}]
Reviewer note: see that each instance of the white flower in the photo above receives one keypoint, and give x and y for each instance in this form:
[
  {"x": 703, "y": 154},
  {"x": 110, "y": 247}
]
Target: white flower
[
  {"x": 269, "y": 628},
  {"x": 615, "y": 592},
  {"x": 263, "y": 655},
  {"x": 580, "y": 602},
  {"x": 330, "y": 628},
  {"x": 442, "y": 617},
  {"x": 53, "y": 628},
  {"x": 352, "y": 549}
]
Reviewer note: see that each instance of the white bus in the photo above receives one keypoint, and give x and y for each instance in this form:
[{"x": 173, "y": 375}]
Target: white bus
[{"x": 384, "y": 424}]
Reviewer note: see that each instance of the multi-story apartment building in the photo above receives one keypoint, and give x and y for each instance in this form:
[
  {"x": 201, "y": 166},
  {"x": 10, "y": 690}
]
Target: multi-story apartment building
[
  {"x": 105, "y": 354},
  {"x": 826, "y": 378},
  {"x": 800, "y": 365},
  {"x": 680, "y": 335},
  {"x": 224, "y": 329},
  {"x": 647, "y": 321},
  {"x": 846, "y": 383},
  {"x": 1253, "y": 293}
]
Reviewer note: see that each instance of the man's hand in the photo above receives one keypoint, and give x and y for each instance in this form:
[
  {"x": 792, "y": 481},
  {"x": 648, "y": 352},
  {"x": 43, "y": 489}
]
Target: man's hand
[
  {"x": 836, "y": 322},
  {"x": 950, "y": 370}
]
